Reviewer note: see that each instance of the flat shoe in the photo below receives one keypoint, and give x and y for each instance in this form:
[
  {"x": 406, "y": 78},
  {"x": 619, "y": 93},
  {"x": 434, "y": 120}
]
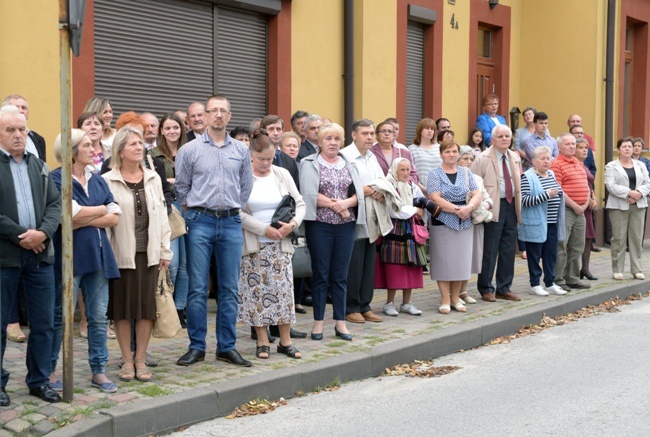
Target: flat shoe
[
  {"x": 191, "y": 356},
  {"x": 342, "y": 336},
  {"x": 301, "y": 310},
  {"x": 291, "y": 351},
  {"x": 317, "y": 336},
  {"x": 46, "y": 393},
  {"x": 143, "y": 374},
  {"x": 264, "y": 349},
  {"x": 106, "y": 387},
  {"x": 459, "y": 307},
  {"x": 15, "y": 334},
  {"x": 639, "y": 276},
  {"x": 233, "y": 357},
  {"x": 444, "y": 309},
  {"x": 618, "y": 276},
  {"x": 467, "y": 298}
]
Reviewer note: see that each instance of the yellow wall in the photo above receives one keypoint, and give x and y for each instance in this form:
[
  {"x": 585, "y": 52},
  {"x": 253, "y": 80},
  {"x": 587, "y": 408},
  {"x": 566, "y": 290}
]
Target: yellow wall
[
  {"x": 375, "y": 46},
  {"x": 317, "y": 58},
  {"x": 29, "y": 62},
  {"x": 455, "y": 61}
]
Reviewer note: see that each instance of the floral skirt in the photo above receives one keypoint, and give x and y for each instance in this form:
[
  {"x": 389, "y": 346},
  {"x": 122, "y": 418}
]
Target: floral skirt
[{"x": 266, "y": 287}]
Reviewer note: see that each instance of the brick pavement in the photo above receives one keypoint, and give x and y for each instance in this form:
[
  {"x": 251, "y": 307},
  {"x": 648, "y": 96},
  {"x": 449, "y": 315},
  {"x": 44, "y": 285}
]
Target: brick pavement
[{"x": 28, "y": 415}]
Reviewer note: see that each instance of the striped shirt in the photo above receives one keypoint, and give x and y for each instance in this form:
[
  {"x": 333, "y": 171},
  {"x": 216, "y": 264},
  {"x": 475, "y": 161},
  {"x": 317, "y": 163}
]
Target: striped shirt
[
  {"x": 425, "y": 160},
  {"x": 208, "y": 176},
  {"x": 548, "y": 183},
  {"x": 570, "y": 174}
]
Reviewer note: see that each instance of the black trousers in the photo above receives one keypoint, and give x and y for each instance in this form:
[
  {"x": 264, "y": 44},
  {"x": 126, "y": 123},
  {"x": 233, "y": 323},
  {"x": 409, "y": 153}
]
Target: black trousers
[
  {"x": 499, "y": 247},
  {"x": 361, "y": 276}
]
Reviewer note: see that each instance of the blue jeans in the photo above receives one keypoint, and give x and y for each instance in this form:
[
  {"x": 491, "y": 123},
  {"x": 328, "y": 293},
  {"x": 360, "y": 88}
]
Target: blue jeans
[
  {"x": 222, "y": 236},
  {"x": 38, "y": 280},
  {"x": 178, "y": 272},
  {"x": 94, "y": 289},
  {"x": 547, "y": 253},
  {"x": 331, "y": 249}
]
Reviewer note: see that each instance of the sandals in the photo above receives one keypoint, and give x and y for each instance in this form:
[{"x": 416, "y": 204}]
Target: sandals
[
  {"x": 128, "y": 370},
  {"x": 144, "y": 374},
  {"x": 466, "y": 298},
  {"x": 291, "y": 351},
  {"x": 15, "y": 334},
  {"x": 458, "y": 306},
  {"x": 264, "y": 349},
  {"x": 444, "y": 309}
]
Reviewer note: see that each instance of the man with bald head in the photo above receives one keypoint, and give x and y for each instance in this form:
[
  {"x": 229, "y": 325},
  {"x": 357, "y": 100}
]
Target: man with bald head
[
  {"x": 196, "y": 119},
  {"x": 30, "y": 211},
  {"x": 500, "y": 169},
  {"x": 576, "y": 120},
  {"x": 570, "y": 175}
]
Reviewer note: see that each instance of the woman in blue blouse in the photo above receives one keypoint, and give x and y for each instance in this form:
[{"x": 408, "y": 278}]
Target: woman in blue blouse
[
  {"x": 448, "y": 187},
  {"x": 332, "y": 190},
  {"x": 93, "y": 210}
]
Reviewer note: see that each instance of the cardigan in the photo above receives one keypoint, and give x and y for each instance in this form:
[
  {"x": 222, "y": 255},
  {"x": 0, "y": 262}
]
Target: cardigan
[
  {"x": 251, "y": 227},
  {"x": 91, "y": 249},
  {"x": 122, "y": 236},
  {"x": 534, "y": 224},
  {"x": 47, "y": 210}
]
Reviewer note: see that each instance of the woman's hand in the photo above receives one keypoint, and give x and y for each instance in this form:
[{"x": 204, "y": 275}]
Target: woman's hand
[
  {"x": 339, "y": 205},
  {"x": 164, "y": 264},
  {"x": 420, "y": 212},
  {"x": 552, "y": 192},
  {"x": 272, "y": 233},
  {"x": 633, "y": 196},
  {"x": 464, "y": 212},
  {"x": 286, "y": 229}
]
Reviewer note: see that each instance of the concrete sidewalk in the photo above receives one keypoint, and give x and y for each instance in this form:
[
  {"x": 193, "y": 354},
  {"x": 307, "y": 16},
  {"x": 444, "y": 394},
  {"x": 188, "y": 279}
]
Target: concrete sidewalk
[{"x": 179, "y": 396}]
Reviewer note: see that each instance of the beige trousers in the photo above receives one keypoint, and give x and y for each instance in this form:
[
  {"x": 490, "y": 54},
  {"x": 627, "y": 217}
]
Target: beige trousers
[{"x": 627, "y": 226}]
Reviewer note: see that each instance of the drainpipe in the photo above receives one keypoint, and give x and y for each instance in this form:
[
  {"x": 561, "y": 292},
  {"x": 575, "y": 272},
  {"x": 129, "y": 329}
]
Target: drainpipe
[
  {"x": 348, "y": 61},
  {"x": 609, "y": 80}
]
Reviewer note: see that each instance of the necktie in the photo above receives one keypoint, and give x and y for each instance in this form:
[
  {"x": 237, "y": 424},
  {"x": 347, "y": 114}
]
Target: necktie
[
  {"x": 278, "y": 158},
  {"x": 506, "y": 179}
]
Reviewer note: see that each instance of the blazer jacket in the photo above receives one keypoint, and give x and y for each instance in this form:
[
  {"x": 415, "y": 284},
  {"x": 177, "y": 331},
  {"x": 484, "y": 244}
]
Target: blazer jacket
[
  {"x": 39, "y": 142},
  {"x": 306, "y": 149},
  {"x": 487, "y": 166},
  {"x": 618, "y": 185},
  {"x": 485, "y": 123}
]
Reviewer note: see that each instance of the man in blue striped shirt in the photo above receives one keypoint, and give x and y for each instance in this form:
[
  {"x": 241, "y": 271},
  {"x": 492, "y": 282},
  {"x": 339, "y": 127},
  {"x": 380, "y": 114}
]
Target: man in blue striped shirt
[{"x": 213, "y": 182}]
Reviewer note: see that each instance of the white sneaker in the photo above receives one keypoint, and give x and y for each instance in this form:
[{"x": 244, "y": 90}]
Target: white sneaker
[
  {"x": 538, "y": 291},
  {"x": 410, "y": 309},
  {"x": 555, "y": 289},
  {"x": 389, "y": 310}
]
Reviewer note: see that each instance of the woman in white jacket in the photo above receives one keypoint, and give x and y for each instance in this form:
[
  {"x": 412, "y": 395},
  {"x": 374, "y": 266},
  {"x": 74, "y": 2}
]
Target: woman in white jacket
[{"x": 627, "y": 181}]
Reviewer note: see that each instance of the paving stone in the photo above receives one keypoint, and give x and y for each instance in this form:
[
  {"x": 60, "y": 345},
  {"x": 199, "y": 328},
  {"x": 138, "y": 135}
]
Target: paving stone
[
  {"x": 18, "y": 425},
  {"x": 48, "y": 410},
  {"x": 9, "y": 415},
  {"x": 43, "y": 427}
]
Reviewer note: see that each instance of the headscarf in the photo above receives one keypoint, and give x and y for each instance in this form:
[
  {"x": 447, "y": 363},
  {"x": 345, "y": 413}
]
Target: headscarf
[{"x": 403, "y": 188}]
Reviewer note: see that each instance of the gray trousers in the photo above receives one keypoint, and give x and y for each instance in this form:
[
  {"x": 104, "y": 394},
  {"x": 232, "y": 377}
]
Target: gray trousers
[
  {"x": 569, "y": 251},
  {"x": 627, "y": 226}
]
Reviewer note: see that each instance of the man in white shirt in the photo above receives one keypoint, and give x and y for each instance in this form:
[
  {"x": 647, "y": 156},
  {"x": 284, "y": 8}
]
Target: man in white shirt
[
  {"x": 196, "y": 119},
  {"x": 151, "y": 129},
  {"x": 361, "y": 273}
]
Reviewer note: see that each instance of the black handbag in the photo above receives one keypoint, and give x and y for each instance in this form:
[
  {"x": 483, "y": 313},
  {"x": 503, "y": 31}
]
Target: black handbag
[
  {"x": 285, "y": 211},
  {"x": 301, "y": 259}
]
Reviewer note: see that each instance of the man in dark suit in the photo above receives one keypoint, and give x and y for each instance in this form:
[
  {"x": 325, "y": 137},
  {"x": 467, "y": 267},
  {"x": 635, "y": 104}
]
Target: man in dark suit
[
  {"x": 310, "y": 146},
  {"x": 196, "y": 119},
  {"x": 35, "y": 142},
  {"x": 274, "y": 127},
  {"x": 298, "y": 124}
]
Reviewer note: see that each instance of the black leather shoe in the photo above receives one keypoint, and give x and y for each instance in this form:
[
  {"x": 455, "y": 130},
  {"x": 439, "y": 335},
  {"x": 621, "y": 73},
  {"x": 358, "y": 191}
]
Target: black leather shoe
[
  {"x": 587, "y": 275},
  {"x": 297, "y": 334},
  {"x": 307, "y": 301},
  {"x": 579, "y": 286},
  {"x": 317, "y": 337},
  {"x": 191, "y": 356},
  {"x": 268, "y": 335},
  {"x": 233, "y": 357},
  {"x": 44, "y": 392},
  {"x": 342, "y": 336},
  {"x": 4, "y": 398}
]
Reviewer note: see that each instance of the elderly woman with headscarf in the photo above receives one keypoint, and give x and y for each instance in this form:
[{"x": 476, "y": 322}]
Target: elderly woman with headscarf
[{"x": 401, "y": 259}]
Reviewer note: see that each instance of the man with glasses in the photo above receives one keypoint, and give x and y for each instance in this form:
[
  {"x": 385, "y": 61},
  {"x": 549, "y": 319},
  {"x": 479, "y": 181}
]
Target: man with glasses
[
  {"x": 576, "y": 120},
  {"x": 489, "y": 119},
  {"x": 590, "y": 162},
  {"x": 213, "y": 181}
]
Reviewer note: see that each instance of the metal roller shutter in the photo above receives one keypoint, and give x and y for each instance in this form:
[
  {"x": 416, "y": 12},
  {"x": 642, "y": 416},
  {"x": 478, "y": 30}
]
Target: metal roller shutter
[
  {"x": 414, "y": 77},
  {"x": 153, "y": 55},
  {"x": 241, "y": 63}
]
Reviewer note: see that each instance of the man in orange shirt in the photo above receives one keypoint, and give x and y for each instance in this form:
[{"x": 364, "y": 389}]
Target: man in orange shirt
[{"x": 571, "y": 176}]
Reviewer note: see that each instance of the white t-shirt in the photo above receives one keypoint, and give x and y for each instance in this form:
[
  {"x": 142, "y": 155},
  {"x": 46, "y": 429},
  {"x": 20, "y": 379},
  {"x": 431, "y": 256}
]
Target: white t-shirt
[{"x": 264, "y": 200}]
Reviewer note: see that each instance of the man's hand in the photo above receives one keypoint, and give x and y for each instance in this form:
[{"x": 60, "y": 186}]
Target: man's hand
[{"x": 33, "y": 240}]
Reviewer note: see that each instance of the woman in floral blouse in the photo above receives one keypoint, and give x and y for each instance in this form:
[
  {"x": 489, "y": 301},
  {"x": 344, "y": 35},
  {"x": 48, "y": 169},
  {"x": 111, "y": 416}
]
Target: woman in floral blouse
[{"x": 332, "y": 190}]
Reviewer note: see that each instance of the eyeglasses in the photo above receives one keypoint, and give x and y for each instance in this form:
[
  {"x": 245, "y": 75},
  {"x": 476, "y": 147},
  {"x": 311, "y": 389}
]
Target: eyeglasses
[
  {"x": 386, "y": 131},
  {"x": 216, "y": 111}
]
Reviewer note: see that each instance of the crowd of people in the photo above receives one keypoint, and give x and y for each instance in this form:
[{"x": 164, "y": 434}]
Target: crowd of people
[{"x": 375, "y": 214}]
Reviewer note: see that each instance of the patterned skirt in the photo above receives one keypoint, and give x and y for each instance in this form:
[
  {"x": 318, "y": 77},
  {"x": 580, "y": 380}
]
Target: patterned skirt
[
  {"x": 399, "y": 247},
  {"x": 266, "y": 287}
]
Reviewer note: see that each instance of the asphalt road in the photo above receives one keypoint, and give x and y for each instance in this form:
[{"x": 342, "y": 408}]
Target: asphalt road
[{"x": 586, "y": 378}]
